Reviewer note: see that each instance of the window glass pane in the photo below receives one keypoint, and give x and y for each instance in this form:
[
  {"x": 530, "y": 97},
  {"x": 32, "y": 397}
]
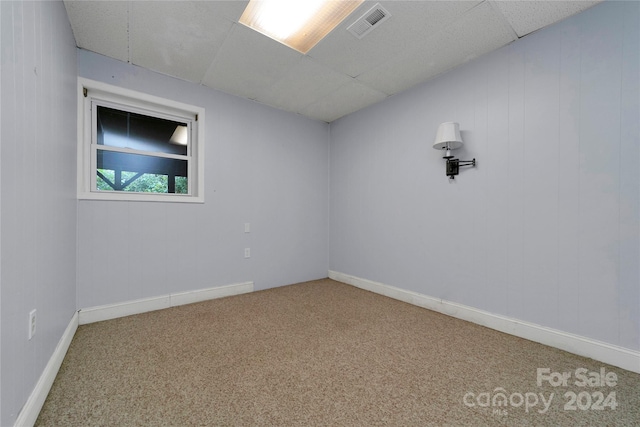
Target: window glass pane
[
  {"x": 142, "y": 174},
  {"x": 124, "y": 129}
]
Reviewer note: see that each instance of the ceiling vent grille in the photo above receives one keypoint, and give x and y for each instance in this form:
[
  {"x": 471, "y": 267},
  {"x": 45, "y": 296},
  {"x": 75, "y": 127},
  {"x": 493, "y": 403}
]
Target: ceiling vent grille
[{"x": 370, "y": 20}]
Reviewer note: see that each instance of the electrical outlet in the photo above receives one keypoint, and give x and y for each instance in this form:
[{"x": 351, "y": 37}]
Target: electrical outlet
[
  {"x": 247, "y": 253},
  {"x": 32, "y": 323}
]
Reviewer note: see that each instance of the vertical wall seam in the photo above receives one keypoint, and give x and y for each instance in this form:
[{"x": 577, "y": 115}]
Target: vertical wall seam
[
  {"x": 328, "y": 231},
  {"x": 509, "y": 50},
  {"x": 579, "y": 189},
  {"x": 1, "y": 49},
  {"x": 523, "y": 160},
  {"x": 559, "y": 163},
  {"x": 620, "y": 181}
]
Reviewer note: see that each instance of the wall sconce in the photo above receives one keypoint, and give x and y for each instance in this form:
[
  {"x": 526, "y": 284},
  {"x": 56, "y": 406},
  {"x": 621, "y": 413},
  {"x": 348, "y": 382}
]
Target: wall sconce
[{"x": 448, "y": 138}]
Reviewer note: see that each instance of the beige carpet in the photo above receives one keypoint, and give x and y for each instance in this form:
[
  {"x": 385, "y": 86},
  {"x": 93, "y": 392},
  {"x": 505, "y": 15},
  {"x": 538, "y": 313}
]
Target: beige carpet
[{"x": 326, "y": 354}]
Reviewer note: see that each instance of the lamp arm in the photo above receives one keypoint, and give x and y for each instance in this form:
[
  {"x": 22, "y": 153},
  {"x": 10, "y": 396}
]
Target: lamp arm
[{"x": 465, "y": 162}]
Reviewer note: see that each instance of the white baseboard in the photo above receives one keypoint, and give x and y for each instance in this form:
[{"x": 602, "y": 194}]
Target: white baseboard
[
  {"x": 31, "y": 409},
  {"x": 617, "y": 356},
  {"x": 29, "y": 413},
  {"x": 128, "y": 308}
]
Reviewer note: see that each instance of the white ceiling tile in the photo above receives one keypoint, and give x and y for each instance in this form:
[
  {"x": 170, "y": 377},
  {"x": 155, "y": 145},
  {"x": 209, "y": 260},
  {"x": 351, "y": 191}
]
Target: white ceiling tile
[
  {"x": 528, "y": 16},
  {"x": 345, "y": 100},
  {"x": 230, "y": 9},
  {"x": 410, "y": 23},
  {"x": 306, "y": 82},
  {"x": 100, "y": 26},
  {"x": 248, "y": 63},
  {"x": 481, "y": 30},
  {"x": 176, "y": 38},
  {"x": 474, "y": 33},
  {"x": 435, "y": 55}
]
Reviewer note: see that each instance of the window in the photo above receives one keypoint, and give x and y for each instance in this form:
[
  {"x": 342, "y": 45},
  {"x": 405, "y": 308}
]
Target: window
[{"x": 133, "y": 146}]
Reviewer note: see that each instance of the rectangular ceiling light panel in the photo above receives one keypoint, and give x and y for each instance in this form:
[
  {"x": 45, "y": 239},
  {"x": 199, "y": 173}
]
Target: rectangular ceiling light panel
[{"x": 299, "y": 24}]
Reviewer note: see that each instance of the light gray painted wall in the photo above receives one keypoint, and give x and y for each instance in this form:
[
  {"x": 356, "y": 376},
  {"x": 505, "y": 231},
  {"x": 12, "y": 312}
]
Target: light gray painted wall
[
  {"x": 545, "y": 229},
  {"x": 38, "y": 204},
  {"x": 262, "y": 166}
]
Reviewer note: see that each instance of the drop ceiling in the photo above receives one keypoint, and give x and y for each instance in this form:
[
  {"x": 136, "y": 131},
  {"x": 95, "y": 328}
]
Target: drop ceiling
[{"x": 202, "y": 42}]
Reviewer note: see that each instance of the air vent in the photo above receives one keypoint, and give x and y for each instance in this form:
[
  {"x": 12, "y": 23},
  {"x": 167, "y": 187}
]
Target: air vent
[{"x": 370, "y": 20}]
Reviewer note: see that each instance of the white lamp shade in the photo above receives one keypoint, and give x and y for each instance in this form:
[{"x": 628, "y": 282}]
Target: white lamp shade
[{"x": 448, "y": 136}]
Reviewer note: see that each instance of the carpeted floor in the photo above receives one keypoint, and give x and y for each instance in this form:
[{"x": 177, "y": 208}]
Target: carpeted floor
[{"x": 326, "y": 354}]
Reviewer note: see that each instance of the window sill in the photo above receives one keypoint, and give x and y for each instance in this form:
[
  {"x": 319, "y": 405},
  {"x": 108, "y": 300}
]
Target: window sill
[{"x": 140, "y": 197}]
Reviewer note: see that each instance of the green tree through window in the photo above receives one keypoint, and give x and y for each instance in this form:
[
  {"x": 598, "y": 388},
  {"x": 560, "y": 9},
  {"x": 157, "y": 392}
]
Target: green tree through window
[{"x": 145, "y": 183}]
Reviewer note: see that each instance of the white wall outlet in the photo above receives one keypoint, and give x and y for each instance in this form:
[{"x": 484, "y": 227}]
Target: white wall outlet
[
  {"x": 247, "y": 227},
  {"x": 247, "y": 252},
  {"x": 32, "y": 323}
]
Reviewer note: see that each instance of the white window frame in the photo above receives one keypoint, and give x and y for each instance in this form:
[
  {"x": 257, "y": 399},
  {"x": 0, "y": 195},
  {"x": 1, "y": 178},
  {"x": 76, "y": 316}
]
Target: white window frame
[{"x": 92, "y": 93}]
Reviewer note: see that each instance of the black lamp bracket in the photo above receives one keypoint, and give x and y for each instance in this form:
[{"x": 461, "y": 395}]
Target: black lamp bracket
[{"x": 454, "y": 165}]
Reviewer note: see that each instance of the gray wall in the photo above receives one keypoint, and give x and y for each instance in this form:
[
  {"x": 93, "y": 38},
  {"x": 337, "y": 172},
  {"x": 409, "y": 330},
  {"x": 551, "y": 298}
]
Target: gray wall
[
  {"x": 262, "y": 166},
  {"x": 38, "y": 202},
  {"x": 545, "y": 229}
]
